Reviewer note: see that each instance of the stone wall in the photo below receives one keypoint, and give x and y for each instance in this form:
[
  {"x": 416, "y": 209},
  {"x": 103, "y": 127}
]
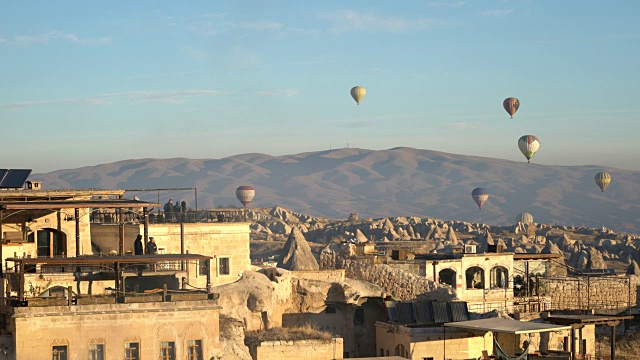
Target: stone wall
[
  {"x": 595, "y": 292},
  {"x": 401, "y": 284},
  {"x": 37, "y": 329},
  {"x": 323, "y": 275},
  {"x": 218, "y": 240},
  {"x": 297, "y": 350}
]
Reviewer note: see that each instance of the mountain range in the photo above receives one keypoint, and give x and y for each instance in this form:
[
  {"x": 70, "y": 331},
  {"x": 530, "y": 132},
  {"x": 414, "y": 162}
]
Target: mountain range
[{"x": 396, "y": 182}]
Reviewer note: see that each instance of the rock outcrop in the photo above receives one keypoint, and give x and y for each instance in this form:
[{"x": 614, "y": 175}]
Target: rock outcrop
[{"x": 296, "y": 254}]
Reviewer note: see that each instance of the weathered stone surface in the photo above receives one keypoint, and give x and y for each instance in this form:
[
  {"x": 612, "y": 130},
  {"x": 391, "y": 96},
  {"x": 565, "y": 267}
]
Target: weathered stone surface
[{"x": 296, "y": 254}]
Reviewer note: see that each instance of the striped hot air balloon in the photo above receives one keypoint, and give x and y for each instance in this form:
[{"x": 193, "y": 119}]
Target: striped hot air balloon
[
  {"x": 603, "y": 180},
  {"x": 528, "y": 145},
  {"x": 245, "y": 194},
  {"x": 511, "y": 105},
  {"x": 480, "y": 196},
  {"x": 524, "y": 218},
  {"x": 358, "y": 93}
]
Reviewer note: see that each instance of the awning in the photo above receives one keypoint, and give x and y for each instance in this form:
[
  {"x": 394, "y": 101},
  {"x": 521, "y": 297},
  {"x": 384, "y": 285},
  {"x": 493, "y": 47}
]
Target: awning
[{"x": 506, "y": 326}]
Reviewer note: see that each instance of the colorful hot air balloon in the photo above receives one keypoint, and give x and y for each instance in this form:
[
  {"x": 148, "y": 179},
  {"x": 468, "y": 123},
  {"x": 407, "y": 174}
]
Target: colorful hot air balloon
[
  {"x": 480, "y": 195},
  {"x": 245, "y": 194},
  {"x": 524, "y": 218},
  {"x": 603, "y": 179},
  {"x": 511, "y": 105},
  {"x": 358, "y": 93},
  {"x": 528, "y": 144}
]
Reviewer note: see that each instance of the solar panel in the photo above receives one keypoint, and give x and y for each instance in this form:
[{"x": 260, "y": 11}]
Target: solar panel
[
  {"x": 441, "y": 312},
  {"x": 13, "y": 178},
  {"x": 459, "y": 311},
  {"x": 405, "y": 313},
  {"x": 423, "y": 313}
]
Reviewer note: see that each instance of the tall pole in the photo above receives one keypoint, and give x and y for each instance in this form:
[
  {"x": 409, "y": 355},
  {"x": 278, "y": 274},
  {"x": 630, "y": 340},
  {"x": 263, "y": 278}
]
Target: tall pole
[
  {"x": 77, "y": 216},
  {"x": 195, "y": 191},
  {"x": 1, "y": 241},
  {"x": 145, "y": 214},
  {"x": 182, "y": 264},
  {"x": 613, "y": 340},
  {"x": 121, "y": 228}
]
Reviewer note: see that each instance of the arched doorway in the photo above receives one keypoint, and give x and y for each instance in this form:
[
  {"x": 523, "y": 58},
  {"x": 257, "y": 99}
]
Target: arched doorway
[
  {"x": 475, "y": 278},
  {"x": 50, "y": 242},
  {"x": 447, "y": 277},
  {"x": 499, "y": 277}
]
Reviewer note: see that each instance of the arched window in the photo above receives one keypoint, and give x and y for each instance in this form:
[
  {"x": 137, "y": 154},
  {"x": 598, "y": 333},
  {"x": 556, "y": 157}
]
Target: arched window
[
  {"x": 447, "y": 277},
  {"x": 50, "y": 242},
  {"x": 401, "y": 351},
  {"x": 475, "y": 277},
  {"x": 499, "y": 277}
]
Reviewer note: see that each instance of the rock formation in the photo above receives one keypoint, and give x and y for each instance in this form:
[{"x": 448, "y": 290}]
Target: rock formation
[{"x": 296, "y": 254}]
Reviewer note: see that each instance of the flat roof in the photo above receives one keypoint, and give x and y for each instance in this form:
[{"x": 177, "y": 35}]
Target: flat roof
[
  {"x": 507, "y": 326},
  {"x": 29, "y": 193},
  {"x": 535, "y": 256},
  {"x": 73, "y": 204},
  {"x": 109, "y": 259},
  {"x": 586, "y": 319}
]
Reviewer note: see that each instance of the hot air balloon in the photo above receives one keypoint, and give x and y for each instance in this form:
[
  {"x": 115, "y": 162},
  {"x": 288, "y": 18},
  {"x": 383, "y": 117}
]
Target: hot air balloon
[
  {"x": 524, "y": 218},
  {"x": 528, "y": 144},
  {"x": 245, "y": 194},
  {"x": 480, "y": 195},
  {"x": 603, "y": 179},
  {"x": 358, "y": 93},
  {"x": 511, "y": 105}
]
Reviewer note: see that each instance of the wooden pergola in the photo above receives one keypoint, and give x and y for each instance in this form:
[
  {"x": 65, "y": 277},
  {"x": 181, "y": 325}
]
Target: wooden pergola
[
  {"x": 578, "y": 321},
  {"x": 110, "y": 263},
  {"x": 21, "y": 212}
]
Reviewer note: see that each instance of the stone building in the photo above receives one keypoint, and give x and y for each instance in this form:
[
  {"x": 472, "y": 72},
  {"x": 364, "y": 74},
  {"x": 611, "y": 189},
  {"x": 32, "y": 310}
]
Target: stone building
[
  {"x": 470, "y": 339},
  {"x": 65, "y": 272}
]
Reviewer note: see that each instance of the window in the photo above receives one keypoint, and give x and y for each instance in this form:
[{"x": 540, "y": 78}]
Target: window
[
  {"x": 358, "y": 317},
  {"x": 330, "y": 310},
  {"x": 59, "y": 352},
  {"x": 499, "y": 277},
  {"x": 475, "y": 278},
  {"x": 381, "y": 352},
  {"x": 400, "y": 351},
  {"x": 50, "y": 243},
  {"x": 96, "y": 351},
  {"x": 132, "y": 351},
  {"x": 223, "y": 266},
  {"x": 168, "y": 350},
  {"x": 447, "y": 277},
  {"x": 203, "y": 269},
  {"x": 194, "y": 350}
]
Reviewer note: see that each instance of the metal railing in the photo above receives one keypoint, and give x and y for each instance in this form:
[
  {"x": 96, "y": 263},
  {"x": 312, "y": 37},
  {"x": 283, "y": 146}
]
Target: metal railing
[{"x": 161, "y": 217}]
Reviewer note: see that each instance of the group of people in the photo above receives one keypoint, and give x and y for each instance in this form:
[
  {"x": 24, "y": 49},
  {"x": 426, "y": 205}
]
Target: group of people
[
  {"x": 173, "y": 211},
  {"x": 138, "y": 249}
]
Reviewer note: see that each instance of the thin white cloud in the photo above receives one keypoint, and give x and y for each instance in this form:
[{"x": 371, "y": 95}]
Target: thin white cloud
[
  {"x": 261, "y": 25},
  {"x": 170, "y": 97},
  {"x": 462, "y": 125},
  {"x": 496, "y": 13},
  {"x": 361, "y": 124},
  {"x": 347, "y": 20},
  {"x": 445, "y": 4},
  {"x": 53, "y": 35},
  {"x": 279, "y": 92},
  {"x": 219, "y": 24}
]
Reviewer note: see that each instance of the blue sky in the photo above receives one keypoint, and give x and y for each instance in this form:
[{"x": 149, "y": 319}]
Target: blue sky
[{"x": 87, "y": 82}]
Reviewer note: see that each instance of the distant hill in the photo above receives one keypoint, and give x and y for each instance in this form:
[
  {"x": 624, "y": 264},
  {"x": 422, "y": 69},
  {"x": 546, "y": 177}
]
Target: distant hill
[{"x": 394, "y": 182}]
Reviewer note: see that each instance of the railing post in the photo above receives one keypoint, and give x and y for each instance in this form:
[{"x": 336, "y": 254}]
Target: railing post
[{"x": 164, "y": 292}]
